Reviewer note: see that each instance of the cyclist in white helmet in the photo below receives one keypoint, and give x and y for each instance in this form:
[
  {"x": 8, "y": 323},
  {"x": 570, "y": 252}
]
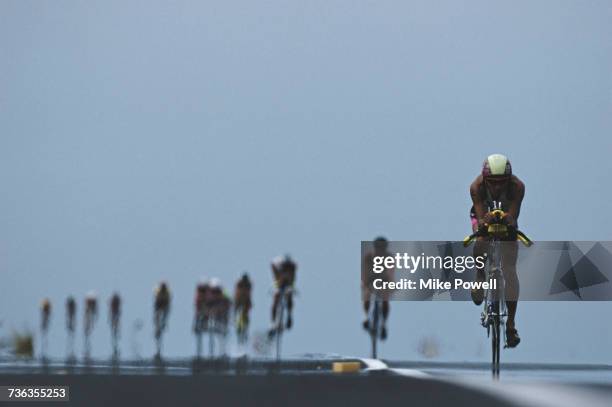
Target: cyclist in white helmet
[{"x": 497, "y": 184}]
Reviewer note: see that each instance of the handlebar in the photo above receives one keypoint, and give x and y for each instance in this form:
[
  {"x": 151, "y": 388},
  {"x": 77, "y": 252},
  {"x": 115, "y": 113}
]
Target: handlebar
[{"x": 497, "y": 228}]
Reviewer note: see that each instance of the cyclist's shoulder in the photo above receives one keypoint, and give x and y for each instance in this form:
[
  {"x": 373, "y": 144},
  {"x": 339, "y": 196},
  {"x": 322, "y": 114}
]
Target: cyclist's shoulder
[
  {"x": 283, "y": 262},
  {"x": 162, "y": 293},
  {"x": 243, "y": 286},
  {"x": 369, "y": 256},
  {"x": 477, "y": 185},
  {"x": 517, "y": 183}
]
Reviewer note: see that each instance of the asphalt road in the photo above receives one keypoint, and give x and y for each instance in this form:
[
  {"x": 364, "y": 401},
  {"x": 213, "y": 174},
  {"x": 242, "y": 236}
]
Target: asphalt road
[{"x": 301, "y": 383}]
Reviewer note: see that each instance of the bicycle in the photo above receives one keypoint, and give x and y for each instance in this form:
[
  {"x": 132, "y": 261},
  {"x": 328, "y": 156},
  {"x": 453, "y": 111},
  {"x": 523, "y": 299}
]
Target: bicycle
[
  {"x": 495, "y": 312},
  {"x": 160, "y": 321},
  {"x": 242, "y": 325},
  {"x": 374, "y": 322},
  {"x": 199, "y": 327},
  {"x": 216, "y": 326},
  {"x": 280, "y": 321}
]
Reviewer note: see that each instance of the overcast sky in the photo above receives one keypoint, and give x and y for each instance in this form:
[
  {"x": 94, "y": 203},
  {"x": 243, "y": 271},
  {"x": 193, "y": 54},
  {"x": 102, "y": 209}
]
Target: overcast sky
[{"x": 142, "y": 140}]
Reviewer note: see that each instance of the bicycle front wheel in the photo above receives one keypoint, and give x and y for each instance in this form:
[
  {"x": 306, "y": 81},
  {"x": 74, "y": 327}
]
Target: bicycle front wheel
[
  {"x": 495, "y": 346},
  {"x": 279, "y": 329}
]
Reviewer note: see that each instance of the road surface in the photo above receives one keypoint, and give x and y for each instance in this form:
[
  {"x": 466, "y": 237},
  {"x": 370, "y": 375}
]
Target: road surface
[{"x": 310, "y": 382}]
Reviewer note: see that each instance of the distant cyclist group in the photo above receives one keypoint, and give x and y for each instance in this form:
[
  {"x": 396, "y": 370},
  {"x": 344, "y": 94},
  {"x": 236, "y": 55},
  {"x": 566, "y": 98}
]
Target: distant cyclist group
[{"x": 212, "y": 310}]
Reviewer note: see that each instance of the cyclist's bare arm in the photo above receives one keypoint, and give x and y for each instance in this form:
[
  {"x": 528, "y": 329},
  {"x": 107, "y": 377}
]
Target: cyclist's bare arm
[
  {"x": 365, "y": 264},
  {"x": 477, "y": 199},
  {"x": 275, "y": 272},
  {"x": 515, "y": 204}
]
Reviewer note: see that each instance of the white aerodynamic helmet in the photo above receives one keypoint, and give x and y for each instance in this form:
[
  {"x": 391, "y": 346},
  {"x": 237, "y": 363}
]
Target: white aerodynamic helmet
[
  {"x": 496, "y": 164},
  {"x": 214, "y": 283}
]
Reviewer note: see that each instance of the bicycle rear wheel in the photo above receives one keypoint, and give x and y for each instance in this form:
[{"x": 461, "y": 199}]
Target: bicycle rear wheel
[
  {"x": 374, "y": 330},
  {"x": 279, "y": 325}
]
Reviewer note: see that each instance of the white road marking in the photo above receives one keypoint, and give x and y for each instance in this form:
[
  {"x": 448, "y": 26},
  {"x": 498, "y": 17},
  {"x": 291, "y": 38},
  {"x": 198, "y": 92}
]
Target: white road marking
[
  {"x": 521, "y": 394},
  {"x": 374, "y": 364}
]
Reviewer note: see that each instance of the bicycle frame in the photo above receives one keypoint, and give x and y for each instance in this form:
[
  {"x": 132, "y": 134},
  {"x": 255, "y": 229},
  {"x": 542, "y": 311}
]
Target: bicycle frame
[{"x": 495, "y": 312}]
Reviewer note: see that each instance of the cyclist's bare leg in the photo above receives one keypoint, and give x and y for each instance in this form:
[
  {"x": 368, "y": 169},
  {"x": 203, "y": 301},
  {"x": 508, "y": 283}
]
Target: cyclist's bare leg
[
  {"x": 509, "y": 255},
  {"x": 243, "y": 311},
  {"x": 366, "y": 306},
  {"x": 289, "y": 310},
  {"x": 512, "y": 305},
  {"x": 365, "y": 296},
  {"x": 275, "y": 305},
  {"x": 385, "y": 315},
  {"x": 480, "y": 248}
]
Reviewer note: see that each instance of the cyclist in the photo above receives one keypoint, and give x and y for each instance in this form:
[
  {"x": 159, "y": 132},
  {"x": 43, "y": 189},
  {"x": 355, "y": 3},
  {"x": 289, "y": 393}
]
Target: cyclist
[
  {"x": 45, "y": 309},
  {"x": 70, "y": 315},
  {"x": 283, "y": 270},
  {"x": 496, "y": 183},
  {"x": 114, "y": 316},
  {"x": 115, "y": 311},
  {"x": 202, "y": 296},
  {"x": 91, "y": 315},
  {"x": 242, "y": 304},
  {"x": 381, "y": 246},
  {"x": 91, "y": 311},
  {"x": 220, "y": 303},
  {"x": 161, "y": 308}
]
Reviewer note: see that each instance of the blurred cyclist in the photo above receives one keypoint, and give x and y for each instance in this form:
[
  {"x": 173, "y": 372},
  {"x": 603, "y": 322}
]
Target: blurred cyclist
[
  {"x": 220, "y": 303},
  {"x": 91, "y": 315},
  {"x": 45, "y": 310},
  {"x": 114, "y": 316},
  {"x": 91, "y": 311},
  {"x": 202, "y": 296},
  {"x": 70, "y": 325},
  {"x": 380, "y": 249},
  {"x": 496, "y": 183},
  {"x": 45, "y": 314},
  {"x": 284, "y": 272},
  {"x": 70, "y": 314},
  {"x": 161, "y": 309},
  {"x": 242, "y": 306}
]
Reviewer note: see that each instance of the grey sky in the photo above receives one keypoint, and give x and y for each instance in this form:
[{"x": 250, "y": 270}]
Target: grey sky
[{"x": 144, "y": 140}]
